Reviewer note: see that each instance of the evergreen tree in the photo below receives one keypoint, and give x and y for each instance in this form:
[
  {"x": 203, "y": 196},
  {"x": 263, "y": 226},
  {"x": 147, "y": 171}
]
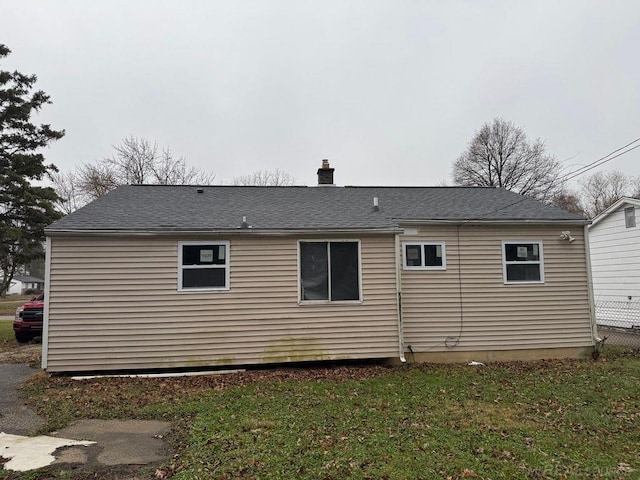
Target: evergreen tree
[{"x": 25, "y": 209}]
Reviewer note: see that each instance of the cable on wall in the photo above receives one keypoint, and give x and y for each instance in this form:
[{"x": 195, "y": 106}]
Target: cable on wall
[{"x": 453, "y": 341}]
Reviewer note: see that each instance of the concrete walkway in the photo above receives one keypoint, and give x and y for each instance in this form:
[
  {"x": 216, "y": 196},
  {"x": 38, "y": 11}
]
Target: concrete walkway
[
  {"x": 90, "y": 445},
  {"x": 118, "y": 442}
]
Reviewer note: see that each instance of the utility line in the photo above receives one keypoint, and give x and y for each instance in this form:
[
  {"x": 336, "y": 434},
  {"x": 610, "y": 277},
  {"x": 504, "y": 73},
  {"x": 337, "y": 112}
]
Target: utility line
[
  {"x": 600, "y": 161},
  {"x": 572, "y": 176}
]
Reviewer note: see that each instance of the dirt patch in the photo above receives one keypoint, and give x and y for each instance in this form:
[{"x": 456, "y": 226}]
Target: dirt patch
[{"x": 30, "y": 353}]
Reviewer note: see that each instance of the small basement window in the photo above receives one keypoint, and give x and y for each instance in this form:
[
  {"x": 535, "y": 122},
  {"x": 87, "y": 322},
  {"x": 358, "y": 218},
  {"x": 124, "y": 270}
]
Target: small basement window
[
  {"x": 424, "y": 256},
  {"x": 522, "y": 262},
  {"x": 630, "y": 217},
  {"x": 203, "y": 266},
  {"x": 329, "y": 271}
]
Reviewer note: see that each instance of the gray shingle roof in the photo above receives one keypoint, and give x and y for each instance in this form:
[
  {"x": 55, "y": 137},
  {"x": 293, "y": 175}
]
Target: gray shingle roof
[{"x": 182, "y": 208}]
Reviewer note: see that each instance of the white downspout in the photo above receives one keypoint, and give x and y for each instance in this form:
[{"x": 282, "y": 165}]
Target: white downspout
[
  {"x": 399, "y": 299},
  {"x": 47, "y": 291},
  {"x": 592, "y": 306}
]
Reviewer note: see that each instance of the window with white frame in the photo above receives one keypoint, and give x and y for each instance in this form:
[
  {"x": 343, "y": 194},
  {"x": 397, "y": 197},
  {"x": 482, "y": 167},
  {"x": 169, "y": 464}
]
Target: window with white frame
[
  {"x": 424, "y": 256},
  {"x": 522, "y": 262},
  {"x": 203, "y": 266},
  {"x": 329, "y": 271},
  {"x": 630, "y": 217}
]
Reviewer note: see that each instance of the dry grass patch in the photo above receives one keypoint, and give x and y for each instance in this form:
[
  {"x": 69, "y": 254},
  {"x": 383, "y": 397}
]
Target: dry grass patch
[
  {"x": 488, "y": 416},
  {"x": 9, "y": 304}
]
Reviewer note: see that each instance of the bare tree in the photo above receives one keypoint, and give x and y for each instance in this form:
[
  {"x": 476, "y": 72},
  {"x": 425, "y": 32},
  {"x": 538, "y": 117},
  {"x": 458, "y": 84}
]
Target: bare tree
[
  {"x": 635, "y": 187},
  {"x": 66, "y": 186},
  {"x": 602, "y": 189},
  {"x": 500, "y": 155},
  {"x": 134, "y": 161},
  {"x": 169, "y": 171},
  {"x": 568, "y": 200},
  {"x": 266, "y": 178},
  {"x": 94, "y": 180}
]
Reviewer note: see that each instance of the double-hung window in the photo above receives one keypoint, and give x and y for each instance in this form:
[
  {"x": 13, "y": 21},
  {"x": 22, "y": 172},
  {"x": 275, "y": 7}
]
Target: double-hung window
[
  {"x": 203, "y": 266},
  {"x": 329, "y": 271},
  {"x": 522, "y": 262},
  {"x": 424, "y": 256}
]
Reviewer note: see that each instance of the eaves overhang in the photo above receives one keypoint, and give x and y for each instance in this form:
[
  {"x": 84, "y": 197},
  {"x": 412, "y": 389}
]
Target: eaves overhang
[
  {"x": 471, "y": 221},
  {"x": 221, "y": 232}
]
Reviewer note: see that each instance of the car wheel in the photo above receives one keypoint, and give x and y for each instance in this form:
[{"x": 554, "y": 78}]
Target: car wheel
[{"x": 23, "y": 337}]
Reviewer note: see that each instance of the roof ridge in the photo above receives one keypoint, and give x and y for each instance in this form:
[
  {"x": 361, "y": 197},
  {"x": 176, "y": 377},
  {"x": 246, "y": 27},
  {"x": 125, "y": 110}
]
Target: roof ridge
[
  {"x": 210, "y": 186},
  {"x": 451, "y": 187},
  {"x": 423, "y": 186}
]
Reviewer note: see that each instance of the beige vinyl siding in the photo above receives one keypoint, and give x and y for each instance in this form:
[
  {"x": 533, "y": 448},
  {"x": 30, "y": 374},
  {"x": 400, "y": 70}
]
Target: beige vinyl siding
[
  {"x": 468, "y": 307},
  {"x": 114, "y": 304}
]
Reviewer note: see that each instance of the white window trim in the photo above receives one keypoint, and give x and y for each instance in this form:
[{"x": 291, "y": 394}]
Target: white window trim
[
  {"x": 424, "y": 267},
  {"x": 331, "y": 302},
  {"x": 530, "y": 262},
  {"x": 226, "y": 266}
]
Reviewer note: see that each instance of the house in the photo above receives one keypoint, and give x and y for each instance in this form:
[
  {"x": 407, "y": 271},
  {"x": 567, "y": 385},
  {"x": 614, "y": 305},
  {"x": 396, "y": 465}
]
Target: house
[
  {"x": 15, "y": 287},
  {"x": 614, "y": 239},
  {"x": 160, "y": 277},
  {"x": 21, "y": 283}
]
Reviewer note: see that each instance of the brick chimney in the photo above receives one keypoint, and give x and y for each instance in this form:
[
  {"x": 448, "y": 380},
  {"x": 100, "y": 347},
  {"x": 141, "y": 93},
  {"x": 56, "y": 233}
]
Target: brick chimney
[{"x": 325, "y": 174}]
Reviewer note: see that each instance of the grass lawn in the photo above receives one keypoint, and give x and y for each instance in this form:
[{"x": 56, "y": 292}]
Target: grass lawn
[
  {"x": 539, "y": 420},
  {"x": 13, "y": 352},
  {"x": 9, "y": 304},
  {"x": 7, "y": 337}
]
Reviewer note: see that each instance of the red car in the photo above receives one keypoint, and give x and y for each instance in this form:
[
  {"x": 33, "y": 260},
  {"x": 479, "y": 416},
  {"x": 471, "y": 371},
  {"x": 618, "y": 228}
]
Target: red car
[{"x": 27, "y": 323}]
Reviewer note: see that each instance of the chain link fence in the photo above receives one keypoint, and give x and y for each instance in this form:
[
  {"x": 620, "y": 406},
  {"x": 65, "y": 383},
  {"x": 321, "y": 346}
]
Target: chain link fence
[{"x": 619, "y": 322}]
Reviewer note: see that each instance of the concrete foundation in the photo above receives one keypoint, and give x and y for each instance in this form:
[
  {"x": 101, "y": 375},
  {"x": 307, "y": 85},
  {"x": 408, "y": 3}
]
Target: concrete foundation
[{"x": 486, "y": 356}]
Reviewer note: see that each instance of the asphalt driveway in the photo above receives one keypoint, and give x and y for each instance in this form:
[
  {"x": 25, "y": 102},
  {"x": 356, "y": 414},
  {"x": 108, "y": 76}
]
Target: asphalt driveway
[{"x": 16, "y": 417}]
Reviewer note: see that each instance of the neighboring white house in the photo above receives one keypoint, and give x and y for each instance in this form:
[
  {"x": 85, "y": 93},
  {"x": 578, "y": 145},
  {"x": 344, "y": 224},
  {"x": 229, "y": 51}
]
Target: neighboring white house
[
  {"x": 20, "y": 283},
  {"x": 614, "y": 238},
  {"x": 15, "y": 287}
]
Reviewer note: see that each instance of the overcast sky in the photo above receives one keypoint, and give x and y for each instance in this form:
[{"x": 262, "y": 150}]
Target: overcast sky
[{"x": 389, "y": 91}]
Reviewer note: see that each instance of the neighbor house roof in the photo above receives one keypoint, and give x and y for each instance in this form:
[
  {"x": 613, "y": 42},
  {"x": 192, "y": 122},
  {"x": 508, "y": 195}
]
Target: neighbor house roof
[
  {"x": 28, "y": 279},
  {"x": 163, "y": 208},
  {"x": 624, "y": 201}
]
